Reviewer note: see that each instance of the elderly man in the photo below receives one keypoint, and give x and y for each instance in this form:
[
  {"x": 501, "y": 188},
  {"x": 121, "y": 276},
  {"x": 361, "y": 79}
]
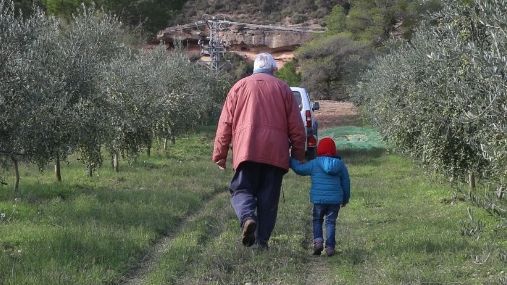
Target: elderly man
[{"x": 260, "y": 119}]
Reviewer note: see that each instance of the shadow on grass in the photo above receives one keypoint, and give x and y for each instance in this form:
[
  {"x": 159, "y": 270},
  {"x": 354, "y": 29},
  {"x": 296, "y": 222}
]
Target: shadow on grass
[
  {"x": 149, "y": 164},
  {"x": 429, "y": 246},
  {"x": 74, "y": 204},
  {"x": 354, "y": 255},
  {"x": 361, "y": 155}
]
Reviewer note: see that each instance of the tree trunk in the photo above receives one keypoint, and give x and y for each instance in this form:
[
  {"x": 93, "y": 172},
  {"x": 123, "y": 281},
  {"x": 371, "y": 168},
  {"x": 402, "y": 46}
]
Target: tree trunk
[
  {"x": 165, "y": 144},
  {"x": 16, "y": 170},
  {"x": 148, "y": 151},
  {"x": 116, "y": 162},
  {"x": 90, "y": 170},
  {"x": 173, "y": 139},
  {"x": 471, "y": 180},
  {"x": 499, "y": 192},
  {"x": 58, "y": 172}
]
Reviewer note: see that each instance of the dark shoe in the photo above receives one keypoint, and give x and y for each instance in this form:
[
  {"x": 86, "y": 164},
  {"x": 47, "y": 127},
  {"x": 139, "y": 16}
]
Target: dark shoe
[
  {"x": 329, "y": 251},
  {"x": 249, "y": 232},
  {"x": 317, "y": 247}
]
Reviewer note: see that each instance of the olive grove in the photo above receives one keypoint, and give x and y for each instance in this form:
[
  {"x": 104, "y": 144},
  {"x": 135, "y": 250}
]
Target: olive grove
[
  {"x": 76, "y": 87},
  {"x": 442, "y": 97}
]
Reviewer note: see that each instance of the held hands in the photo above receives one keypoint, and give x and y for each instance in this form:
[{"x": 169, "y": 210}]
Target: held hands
[{"x": 221, "y": 164}]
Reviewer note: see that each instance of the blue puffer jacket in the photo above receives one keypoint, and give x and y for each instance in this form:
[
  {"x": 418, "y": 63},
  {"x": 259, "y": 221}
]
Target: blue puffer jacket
[{"x": 330, "y": 179}]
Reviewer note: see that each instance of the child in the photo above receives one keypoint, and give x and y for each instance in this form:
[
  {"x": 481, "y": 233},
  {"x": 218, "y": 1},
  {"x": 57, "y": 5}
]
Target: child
[{"x": 330, "y": 190}]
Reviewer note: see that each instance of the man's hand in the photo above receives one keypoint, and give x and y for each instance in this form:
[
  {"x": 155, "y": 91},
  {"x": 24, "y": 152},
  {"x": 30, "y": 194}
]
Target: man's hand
[{"x": 221, "y": 164}]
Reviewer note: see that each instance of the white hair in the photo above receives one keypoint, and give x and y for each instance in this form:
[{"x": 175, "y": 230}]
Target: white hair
[{"x": 264, "y": 62}]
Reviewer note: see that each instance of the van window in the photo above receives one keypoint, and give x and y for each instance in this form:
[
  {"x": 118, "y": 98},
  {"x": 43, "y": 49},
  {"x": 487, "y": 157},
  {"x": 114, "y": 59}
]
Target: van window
[{"x": 298, "y": 98}]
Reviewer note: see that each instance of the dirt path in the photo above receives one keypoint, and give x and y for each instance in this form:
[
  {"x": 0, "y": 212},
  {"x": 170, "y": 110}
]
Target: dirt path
[
  {"x": 319, "y": 270},
  {"x": 334, "y": 113},
  {"x": 139, "y": 274},
  {"x": 330, "y": 114}
]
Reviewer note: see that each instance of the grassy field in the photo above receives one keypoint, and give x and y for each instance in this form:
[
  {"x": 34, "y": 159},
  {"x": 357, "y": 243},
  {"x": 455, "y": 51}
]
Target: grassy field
[{"x": 166, "y": 219}]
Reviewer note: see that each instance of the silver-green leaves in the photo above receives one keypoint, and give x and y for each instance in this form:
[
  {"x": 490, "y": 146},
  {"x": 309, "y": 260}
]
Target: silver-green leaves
[
  {"x": 77, "y": 87},
  {"x": 442, "y": 97}
]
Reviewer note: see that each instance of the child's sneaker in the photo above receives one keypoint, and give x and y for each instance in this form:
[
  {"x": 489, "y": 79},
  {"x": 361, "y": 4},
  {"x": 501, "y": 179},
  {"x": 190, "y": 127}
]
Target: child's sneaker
[
  {"x": 317, "y": 247},
  {"x": 329, "y": 251}
]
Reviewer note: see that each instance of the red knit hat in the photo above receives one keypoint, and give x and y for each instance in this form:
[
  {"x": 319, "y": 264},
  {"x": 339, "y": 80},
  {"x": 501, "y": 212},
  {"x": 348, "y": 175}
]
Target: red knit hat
[{"x": 326, "y": 147}]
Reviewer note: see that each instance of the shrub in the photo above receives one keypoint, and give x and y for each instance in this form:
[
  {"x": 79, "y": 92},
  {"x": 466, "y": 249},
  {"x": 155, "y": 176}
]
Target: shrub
[
  {"x": 442, "y": 98},
  {"x": 329, "y": 63},
  {"x": 289, "y": 74},
  {"x": 298, "y": 18}
]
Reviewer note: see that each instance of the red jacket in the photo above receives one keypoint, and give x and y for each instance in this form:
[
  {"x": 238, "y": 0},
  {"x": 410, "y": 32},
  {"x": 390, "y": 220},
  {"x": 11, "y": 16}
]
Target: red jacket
[{"x": 260, "y": 118}]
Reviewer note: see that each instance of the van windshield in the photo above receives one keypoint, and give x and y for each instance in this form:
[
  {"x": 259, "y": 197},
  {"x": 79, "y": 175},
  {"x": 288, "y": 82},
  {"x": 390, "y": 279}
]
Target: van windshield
[{"x": 298, "y": 98}]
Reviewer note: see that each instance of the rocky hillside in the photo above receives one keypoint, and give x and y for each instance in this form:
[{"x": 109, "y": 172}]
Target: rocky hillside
[
  {"x": 284, "y": 12},
  {"x": 276, "y": 26}
]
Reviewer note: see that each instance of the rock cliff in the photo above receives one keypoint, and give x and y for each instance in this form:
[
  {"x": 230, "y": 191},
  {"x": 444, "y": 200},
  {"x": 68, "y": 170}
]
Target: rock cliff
[{"x": 240, "y": 36}]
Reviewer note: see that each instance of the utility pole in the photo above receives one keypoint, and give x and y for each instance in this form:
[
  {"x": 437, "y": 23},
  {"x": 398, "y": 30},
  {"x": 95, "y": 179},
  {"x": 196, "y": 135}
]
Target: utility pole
[{"x": 215, "y": 47}]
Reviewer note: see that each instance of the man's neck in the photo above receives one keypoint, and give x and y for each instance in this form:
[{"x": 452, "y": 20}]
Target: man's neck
[{"x": 264, "y": 71}]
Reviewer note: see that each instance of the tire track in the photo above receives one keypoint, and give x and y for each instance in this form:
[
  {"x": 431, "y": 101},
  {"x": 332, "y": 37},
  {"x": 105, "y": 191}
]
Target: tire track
[
  {"x": 318, "y": 270},
  {"x": 139, "y": 274}
]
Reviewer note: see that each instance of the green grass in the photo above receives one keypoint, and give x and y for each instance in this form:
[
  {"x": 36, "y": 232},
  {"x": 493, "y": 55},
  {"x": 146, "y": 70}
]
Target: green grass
[
  {"x": 399, "y": 229},
  {"x": 93, "y": 230},
  {"x": 401, "y": 226}
]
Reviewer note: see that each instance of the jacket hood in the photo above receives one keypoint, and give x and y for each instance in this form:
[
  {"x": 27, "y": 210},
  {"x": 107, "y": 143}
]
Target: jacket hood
[{"x": 330, "y": 165}]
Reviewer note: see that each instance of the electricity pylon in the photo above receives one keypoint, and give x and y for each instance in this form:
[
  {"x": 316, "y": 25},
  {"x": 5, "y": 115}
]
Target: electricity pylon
[{"x": 215, "y": 47}]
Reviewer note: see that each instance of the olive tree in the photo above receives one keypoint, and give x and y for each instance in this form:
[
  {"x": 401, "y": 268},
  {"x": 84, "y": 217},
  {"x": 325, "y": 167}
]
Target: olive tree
[
  {"x": 156, "y": 94},
  {"x": 42, "y": 73},
  {"x": 442, "y": 96},
  {"x": 91, "y": 40},
  {"x": 26, "y": 87},
  {"x": 131, "y": 105},
  {"x": 50, "y": 71},
  {"x": 12, "y": 33},
  {"x": 75, "y": 87},
  {"x": 187, "y": 92}
]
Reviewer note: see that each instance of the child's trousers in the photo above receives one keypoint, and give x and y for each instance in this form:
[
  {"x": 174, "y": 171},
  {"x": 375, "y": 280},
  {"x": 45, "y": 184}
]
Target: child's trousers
[{"x": 330, "y": 213}]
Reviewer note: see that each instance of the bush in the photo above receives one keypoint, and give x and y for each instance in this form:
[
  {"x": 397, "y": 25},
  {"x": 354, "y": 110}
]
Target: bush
[
  {"x": 442, "y": 98},
  {"x": 329, "y": 64},
  {"x": 289, "y": 74},
  {"x": 237, "y": 67},
  {"x": 332, "y": 62},
  {"x": 298, "y": 18}
]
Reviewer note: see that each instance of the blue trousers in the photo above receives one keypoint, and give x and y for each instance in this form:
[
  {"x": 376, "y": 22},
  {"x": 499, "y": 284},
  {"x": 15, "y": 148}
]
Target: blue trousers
[
  {"x": 255, "y": 192},
  {"x": 330, "y": 212}
]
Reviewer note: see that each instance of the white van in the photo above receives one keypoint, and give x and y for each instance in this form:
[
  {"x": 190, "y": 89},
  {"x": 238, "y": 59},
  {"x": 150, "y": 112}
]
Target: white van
[{"x": 306, "y": 108}]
